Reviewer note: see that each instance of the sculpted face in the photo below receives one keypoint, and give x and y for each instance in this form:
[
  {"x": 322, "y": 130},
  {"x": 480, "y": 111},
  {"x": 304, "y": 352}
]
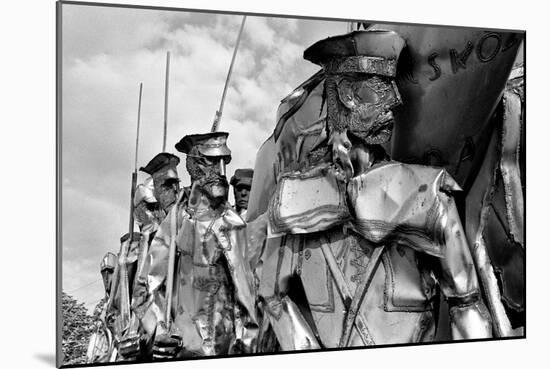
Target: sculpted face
[
  {"x": 166, "y": 192},
  {"x": 209, "y": 174},
  {"x": 368, "y": 103},
  {"x": 241, "y": 193},
  {"x": 107, "y": 276},
  {"x": 363, "y": 109}
]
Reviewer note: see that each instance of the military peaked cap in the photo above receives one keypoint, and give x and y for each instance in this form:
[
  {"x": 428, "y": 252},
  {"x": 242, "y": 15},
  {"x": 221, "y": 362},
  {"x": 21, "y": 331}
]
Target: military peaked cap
[
  {"x": 159, "y": 162},
  {"x": 208, "y": 144},
  {"x": 374, "y": 52},
  {"x": 242, "y": 177},
  {"x": 163, "y": 166}
]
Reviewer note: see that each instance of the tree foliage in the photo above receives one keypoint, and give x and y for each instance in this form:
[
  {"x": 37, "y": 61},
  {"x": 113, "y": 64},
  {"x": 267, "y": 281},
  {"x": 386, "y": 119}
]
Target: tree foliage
[{"x": 77, "y": 328}]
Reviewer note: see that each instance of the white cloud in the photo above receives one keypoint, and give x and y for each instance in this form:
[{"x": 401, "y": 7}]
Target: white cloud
[{"x": 258, "y": 32}]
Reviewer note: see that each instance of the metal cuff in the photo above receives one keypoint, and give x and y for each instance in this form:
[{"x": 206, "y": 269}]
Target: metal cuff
[{"x": 463, "y": 301}]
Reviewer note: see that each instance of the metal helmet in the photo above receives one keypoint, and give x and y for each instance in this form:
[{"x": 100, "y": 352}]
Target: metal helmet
[{"x": 108, "y": 262}]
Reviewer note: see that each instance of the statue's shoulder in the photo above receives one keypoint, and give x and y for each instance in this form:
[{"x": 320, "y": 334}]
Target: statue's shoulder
[
  {"x": 406, "y": 201},
  {"x": 402, "y": 175},
  {"x": 294, "y": 101},
  {"x": 232, "y": 219}
]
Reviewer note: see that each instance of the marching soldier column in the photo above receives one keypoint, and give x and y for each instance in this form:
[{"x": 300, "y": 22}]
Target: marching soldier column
[{"x": 354, "y": 249}]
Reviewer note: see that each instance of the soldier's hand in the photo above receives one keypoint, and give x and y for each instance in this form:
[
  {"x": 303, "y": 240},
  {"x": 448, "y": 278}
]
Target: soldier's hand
[
  {"x": 129, "y": 346},
  {"x": 166, "y": 346},
  {"x": 237, "y": 348}
]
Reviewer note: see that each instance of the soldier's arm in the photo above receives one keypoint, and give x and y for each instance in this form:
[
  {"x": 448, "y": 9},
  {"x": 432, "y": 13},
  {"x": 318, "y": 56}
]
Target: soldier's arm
[
  {"x": 469, "y": 316},
  {"x": 231, "y": 234},
  {"x": 256, "y": 232},
  {"x": 156, "y": 339},
  {"x": 147, "y": 302},
  {"x": 151, "y": 282}
]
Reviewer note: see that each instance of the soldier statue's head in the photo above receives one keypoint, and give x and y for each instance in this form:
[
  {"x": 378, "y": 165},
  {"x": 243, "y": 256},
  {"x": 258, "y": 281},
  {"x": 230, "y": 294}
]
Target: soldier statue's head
[
  {"x": 107, "y": 268},
  {"x": 165, "y": 178},
  {"x": 146, "y": 206},
  {"x": 360, "y": 93},
  {"x": 242, "y": 183},
  {"x": 207, "y": 156}
]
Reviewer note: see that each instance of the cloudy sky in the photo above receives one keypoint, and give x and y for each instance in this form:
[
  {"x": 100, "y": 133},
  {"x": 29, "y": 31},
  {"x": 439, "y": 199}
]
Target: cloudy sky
[{"x": 106, "y": 53}]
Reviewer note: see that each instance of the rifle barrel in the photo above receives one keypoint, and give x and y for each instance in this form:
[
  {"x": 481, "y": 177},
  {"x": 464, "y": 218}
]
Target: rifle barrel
[
  {"x": 215, "y": 125},
  {"x": 166, "y": 79},
  {"x": 138, "y": 121}
]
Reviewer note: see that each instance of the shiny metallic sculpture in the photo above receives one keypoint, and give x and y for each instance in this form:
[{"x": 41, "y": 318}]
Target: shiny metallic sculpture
[
  {"x": 468, "y": 77},
  {"x": 114, "y": 317},
  {"x": 494, "y": 209},
  {"x": 117, "y": 307},
  {"x": 153, "y": 200},
  {"x": 133, "y": 343},
  {"x": 360, "y": 245},
  {"x": 242, "y": 183},
  {"x": 116, "y": 321},
  {"x": 393, "y": 183},
  {"x": 210, "y": 308},
  {"x": 99, "y": 346}
]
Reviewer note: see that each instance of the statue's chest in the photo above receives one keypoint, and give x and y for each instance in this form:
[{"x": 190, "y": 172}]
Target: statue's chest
[
  {"x": 398, "y": 284},
  {"x": 351, "y": 254},
  {"x": 199, "y": 240}
]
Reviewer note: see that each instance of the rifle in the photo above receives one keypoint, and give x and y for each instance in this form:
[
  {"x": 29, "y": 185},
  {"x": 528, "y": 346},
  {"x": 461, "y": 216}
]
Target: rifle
[
  {"x": 120, "y": 283},
  {"x": 171, "y": 261}
]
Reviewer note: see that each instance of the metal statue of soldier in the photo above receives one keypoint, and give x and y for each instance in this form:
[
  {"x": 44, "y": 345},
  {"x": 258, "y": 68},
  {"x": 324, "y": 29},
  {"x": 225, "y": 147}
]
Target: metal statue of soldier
[
  {"x": 360, "y": 246},
  {"x": 210, "y": 308},
  {"x": 101, "y": 340},
  {"x": 148, "y": 215}
]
